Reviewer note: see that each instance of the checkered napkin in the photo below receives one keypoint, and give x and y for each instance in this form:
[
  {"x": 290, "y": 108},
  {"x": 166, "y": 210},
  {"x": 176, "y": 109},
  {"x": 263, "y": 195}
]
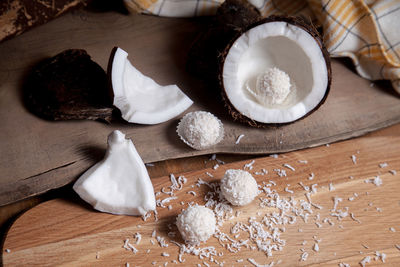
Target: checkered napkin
[{"x": 366, "y": 31}]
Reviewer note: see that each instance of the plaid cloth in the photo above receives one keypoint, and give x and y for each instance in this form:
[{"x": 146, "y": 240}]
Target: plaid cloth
[{"x": 366, "y": 31}]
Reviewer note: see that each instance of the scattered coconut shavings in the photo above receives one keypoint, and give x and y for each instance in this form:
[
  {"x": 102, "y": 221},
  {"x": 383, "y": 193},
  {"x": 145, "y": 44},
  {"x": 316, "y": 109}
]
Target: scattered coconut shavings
[
  {"x": 262, "y": 172},
  {"x": 146, "y": 216},
  {"x": 376, "y": 181},
  {"x": 304, "y": 256},
  {"x": 365, "y": 246},
  {"x": 381, "y": 256},
  {"x": 138, "y": 238},
  {"x": 316, "y": 247},
  {"x": 252, "y": 261},
  {"x": 216, "y": 166},
  {"x": 306, "y": 188},
  {"x": 342, "y": 264},
  {"x": 165, "y": 254},
  {"x": 397, "y": 246},
  {"x": 209, "y": 174},
  {"x": 383, "y": 165},
  {"x": 281, "y": 173},
  {"x": 275, "y": 156},
  {"x": 129, "y": 246},
  {"x": 97, "y": 255},
  {"x": 192, "y": 193},
  {"x": 161, "y": 203},
  {"x": 336, "y": 201},
  {"x": 311, "y": 177},
  {"x": 238, "y": 139},
  {"x": 154, "y": 233},
  {"x": 249, "y": 165},
  {"x": 392, "y": 229},
  {"x": 289, "y": 167},
  {"x": 302, "y": 161},
  {"x": 176, "y": 184},
  {"x": 308, "y": 196},
  {"x": 354, "y": 159},
  {"x": 340, "y": 214},
  {"x": 7, "y": 250},
  {"x": 288, "y": 190},
  {"x": 203, "y": 253},
  {"x": 365, "y": 261},
  {"x": 161, "y": 242},
  {"x": 393, "y": 172},
  {"x": 354, "y": 218},
  {"x": 149, "y": 164},
  {"x": 127, "y": 264}
]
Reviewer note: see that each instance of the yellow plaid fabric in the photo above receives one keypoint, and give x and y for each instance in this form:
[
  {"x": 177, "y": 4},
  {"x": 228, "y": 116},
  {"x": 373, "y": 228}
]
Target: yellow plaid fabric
[{"x": 367, "y": 31}]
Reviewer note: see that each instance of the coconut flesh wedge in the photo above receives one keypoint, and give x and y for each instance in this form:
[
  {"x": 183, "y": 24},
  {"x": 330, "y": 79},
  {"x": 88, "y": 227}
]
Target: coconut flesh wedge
[
  {"x": 139, "y": 98},
  {"x": 119, "y": 184},
  {"x": 276, "y": 72}
]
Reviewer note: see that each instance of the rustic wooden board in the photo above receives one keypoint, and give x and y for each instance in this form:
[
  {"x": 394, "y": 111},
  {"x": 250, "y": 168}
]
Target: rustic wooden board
[
  {"x": 39, "y": 155},
  {"x": 64, "y": 232}
]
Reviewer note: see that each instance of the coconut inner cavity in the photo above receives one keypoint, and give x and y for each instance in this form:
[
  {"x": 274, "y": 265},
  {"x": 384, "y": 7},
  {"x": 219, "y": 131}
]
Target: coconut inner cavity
[{"x": 275, "y": 52}]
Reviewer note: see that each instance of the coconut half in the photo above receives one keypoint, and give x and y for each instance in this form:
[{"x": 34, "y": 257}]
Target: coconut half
[
  {"x": 139, "y": 98},
  {"x": 119, "y": 184},
  {"x": 276, "y": 72}
]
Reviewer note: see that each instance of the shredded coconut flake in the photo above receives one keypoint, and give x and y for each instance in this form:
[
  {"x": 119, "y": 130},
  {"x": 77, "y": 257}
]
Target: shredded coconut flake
[
  {"x": 383, "y": 165},
  {"x": 365, "y": 261},
  {"x": 252, "y": 261},
  {"x": 354, "y": 159},
  {"x": 289, "y": 167},
  {"x": 239, "y": 138},
  {"x": 376, "y": 181}
]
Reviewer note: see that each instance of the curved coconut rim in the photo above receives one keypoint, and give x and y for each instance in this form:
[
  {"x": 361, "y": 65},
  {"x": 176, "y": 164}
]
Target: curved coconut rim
[{"x": 309, "y": 28}]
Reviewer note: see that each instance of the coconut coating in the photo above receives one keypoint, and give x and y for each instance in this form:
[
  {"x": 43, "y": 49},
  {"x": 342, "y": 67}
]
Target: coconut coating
[
  {"x": 200, "y": 129},
  {"x": 196, "y": 224},
  {"x": 239, "y": 187}
]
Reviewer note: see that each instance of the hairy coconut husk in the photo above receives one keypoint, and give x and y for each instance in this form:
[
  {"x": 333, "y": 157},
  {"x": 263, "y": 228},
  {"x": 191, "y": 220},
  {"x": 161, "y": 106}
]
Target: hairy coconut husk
[
  {"x": 236, "y": 115},
  {"x": 232, "y": 16},
  {"x": 68, "y": 86}
]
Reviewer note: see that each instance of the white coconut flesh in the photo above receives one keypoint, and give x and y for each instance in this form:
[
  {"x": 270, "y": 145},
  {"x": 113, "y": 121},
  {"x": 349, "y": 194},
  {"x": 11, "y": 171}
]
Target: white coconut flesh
[
  {"x": 119, "y": 184},
  {"x": 275, "y": 73},
  {"x": 139, "y": 98}
]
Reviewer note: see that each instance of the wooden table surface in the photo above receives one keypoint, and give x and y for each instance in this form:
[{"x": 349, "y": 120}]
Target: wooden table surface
[{"x": 372, "y": 223}]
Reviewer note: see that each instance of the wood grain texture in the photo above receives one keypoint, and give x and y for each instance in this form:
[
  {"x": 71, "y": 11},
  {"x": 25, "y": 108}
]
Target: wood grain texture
[
  {"x": 39, "y": 155},
  {"x": 67, "y": 232}
]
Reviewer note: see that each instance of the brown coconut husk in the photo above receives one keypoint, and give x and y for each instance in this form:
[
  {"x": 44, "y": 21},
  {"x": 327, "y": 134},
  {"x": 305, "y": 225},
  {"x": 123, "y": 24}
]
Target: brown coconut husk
[{"x": 68, "y": 86}]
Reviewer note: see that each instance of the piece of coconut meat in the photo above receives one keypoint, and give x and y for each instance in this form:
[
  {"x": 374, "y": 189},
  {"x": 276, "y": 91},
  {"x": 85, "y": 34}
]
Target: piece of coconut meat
[
  {"x": 118, "y": 184},
  {"x": 139, "y": 98}
]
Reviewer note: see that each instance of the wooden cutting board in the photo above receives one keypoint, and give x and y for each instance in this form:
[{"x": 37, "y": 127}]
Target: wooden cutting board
[
  {"x": 65, "y": 232},
  {"x": 39, "y": 155}
]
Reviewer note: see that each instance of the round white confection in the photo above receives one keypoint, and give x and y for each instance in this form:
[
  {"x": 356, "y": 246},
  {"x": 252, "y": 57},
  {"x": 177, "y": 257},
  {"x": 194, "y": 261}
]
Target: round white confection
[
  {"x": 239, "y": 187},
  {"x": 196, "y": 224},
  {"x": 200, "y": 129},
  {"x": 273, "y": 86}
]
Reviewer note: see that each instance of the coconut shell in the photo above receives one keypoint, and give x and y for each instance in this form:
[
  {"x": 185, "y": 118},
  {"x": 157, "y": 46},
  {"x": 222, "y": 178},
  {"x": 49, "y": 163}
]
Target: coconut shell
[
  {"x": 232, "y": 16},
  {"x": 68, "y": 86},
  {"x": 236, "y": 115}
]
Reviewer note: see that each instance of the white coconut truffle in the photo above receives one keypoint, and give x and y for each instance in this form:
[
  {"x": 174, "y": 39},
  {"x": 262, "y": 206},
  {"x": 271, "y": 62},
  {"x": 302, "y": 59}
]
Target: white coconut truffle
[
  {"x": 200, "y": 129},
  {"x": 196, "y": 224},
  {"x": 272, "y": 87},
  {"x": 239, "y": 187}
]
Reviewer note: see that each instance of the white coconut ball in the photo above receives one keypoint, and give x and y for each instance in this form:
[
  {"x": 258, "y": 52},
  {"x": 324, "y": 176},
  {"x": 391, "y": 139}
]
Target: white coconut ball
[
  {"x": 196, "y": 224},
  {"x": 239, "y": 187},
  {"x": 200, "y": 129}
]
